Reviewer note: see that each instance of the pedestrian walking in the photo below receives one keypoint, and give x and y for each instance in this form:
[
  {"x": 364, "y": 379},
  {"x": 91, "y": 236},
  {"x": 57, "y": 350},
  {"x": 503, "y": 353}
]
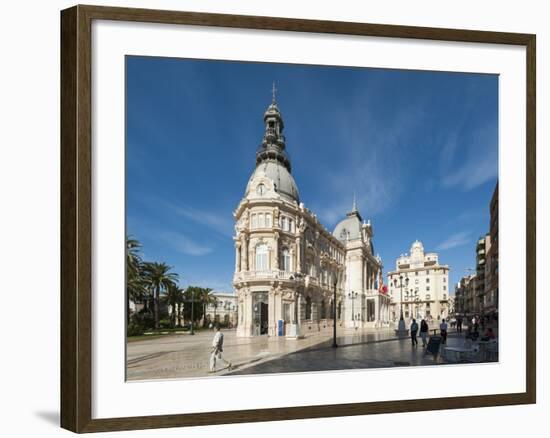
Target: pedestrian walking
[
  {"x": 443, "y": 330},
  {"x": 414, "y": 331},
  {"x": 424, "y": 332},
  {"x": 217, "y": 350},
  {"x": 459, "y": 324}
]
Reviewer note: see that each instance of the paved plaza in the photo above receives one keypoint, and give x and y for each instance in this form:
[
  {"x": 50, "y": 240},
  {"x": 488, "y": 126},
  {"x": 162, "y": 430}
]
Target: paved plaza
[{"x": 184, "y": 355}]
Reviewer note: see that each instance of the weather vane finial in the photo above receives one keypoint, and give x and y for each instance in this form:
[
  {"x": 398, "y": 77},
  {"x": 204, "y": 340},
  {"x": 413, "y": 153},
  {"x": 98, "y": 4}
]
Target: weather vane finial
[{"x": 273, "y": 92}]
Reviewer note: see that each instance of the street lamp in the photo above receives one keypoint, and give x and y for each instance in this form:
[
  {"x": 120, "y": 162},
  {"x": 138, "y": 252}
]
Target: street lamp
[
  {"x": 192, "y": 332},
  {"x": 401, "y": 330},
  {"x": 296, "y": 330},
  {"x": 334, "y": 344},
  {"x": 352, "y": 296}
]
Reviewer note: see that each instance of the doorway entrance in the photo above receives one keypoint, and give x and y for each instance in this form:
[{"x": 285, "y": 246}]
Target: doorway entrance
[
  {"x": 260, "y": 309},
  {"x": 263, "y": 318}
]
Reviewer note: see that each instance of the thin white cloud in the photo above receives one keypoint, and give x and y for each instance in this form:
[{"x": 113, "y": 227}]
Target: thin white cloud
[
  {"x": 454, "y": 241},
  {"x": 473, "y": 173},
  {"x": 185, "y": 244},
  {"x": 375, "y": 165},
  {"x": 469, "y": 159},
  {"x": 219, "y": 222}
]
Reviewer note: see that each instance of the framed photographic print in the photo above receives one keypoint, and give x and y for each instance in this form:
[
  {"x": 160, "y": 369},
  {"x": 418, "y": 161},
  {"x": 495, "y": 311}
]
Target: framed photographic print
[{"x": 268, "y": 218}]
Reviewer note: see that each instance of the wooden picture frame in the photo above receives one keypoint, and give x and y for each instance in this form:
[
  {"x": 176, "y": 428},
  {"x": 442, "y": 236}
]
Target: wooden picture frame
[{"x": 76, "y": 217}]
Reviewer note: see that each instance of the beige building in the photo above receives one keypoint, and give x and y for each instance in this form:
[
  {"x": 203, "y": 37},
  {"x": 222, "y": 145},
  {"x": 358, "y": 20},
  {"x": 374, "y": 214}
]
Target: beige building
[
  {"x": 425, "y": 286},
  {"x": 288, "y": 266},
  {"x": 483, "y": 246},
  {"x": 491, "y": 268},
  {"x": 223, "y": 309}
]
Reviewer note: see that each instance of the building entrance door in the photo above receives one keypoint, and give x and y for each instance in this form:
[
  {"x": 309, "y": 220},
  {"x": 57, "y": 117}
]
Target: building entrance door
[
  {"x": 263, "y": 318},
  {"x": 260, "y": 315}
]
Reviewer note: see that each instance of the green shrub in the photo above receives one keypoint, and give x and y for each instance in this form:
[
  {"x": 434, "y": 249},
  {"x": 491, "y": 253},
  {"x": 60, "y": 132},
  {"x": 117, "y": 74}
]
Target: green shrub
[{"x": 139, "y": 323}]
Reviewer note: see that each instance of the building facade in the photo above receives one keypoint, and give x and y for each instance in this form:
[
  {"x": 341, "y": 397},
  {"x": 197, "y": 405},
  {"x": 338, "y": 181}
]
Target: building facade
[
  {"x": 478, "y": 294},
  {"x": 222, "y": 310},
  {"x": 288, "y": 267},
  {"x": 491, "y": 270},
  {"x": 419, "y": 286},
  {"x": 464, "y": 292},
  {"x": 482, "y": 246}
]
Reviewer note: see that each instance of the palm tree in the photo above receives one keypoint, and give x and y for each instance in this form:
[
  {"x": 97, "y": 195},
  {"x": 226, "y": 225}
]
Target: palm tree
[
  {"x": 135, "y": 284},
  {"x": 207, "y": 297},
  {"x": 159, "y": 278},
  {"x": 174, "y": 298}
]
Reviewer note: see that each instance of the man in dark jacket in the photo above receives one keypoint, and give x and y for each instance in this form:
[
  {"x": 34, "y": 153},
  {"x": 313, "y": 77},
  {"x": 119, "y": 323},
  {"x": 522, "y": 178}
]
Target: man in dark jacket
[{"x": 414, "y": 331}]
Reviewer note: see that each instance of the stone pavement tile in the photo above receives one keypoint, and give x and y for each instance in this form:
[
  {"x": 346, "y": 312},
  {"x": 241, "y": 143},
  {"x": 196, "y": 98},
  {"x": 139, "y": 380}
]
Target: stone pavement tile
[{"x": 183, "y": 355}]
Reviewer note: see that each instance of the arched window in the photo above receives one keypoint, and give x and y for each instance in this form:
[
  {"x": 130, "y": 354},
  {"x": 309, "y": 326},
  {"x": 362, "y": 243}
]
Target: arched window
[
  {"x": 287, "y": 260},
  {"x": 261, "y": 223},
  {"x": 268, "y": 220},
  {"x": 308, "y": 307},
  {"x": 262, "y": 262}
]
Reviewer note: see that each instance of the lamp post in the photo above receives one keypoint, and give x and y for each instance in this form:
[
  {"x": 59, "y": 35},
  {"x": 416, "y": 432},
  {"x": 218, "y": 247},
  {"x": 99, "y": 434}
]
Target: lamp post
[
  {"x": 334, "y": 344},
  {"x": 192, "y": 332},
  {"x": 295, "y": 332},
  {"x": 352, "y": 296},
  {"x": 401, "y": 330}
]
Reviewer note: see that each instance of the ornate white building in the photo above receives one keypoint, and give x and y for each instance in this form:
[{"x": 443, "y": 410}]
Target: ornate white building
[
  {"x": 425, "y": 285},
  {"x": 288, "y": 266},
  {"x": 222, "y": 309}
]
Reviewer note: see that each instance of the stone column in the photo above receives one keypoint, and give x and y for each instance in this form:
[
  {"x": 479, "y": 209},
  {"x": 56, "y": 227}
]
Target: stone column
[
  {"x": 272, "y": 316},
  {"x": 244, "y": 253},
  {"x": 298, "y": 255},
  {"x": 237, "y": 257},
  {"x": 276, "y": 251},
  {"x": 364, "y": 275}
]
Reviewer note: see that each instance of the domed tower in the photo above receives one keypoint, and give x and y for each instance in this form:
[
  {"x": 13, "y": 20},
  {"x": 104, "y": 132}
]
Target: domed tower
[
  {"x": 293, "y": 276},
  {"x": 268, "y": 248},
  {"x": 365, "y": 303},
  {"x": 273, "y": 144},
  {"x": 417, "y": 254},
  {"x": 272, "y": 161}
]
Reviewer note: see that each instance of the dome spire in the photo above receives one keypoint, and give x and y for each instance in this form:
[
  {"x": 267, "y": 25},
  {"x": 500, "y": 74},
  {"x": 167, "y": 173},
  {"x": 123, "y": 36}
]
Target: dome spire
[
  {"x": 354, "y": 210},
  {"x": 273, "y": 144},
  {"x": 273, "y": 93}
]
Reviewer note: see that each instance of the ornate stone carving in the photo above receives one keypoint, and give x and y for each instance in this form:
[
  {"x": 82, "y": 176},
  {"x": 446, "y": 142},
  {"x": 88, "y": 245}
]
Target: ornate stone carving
[
  {"x": 242, "y": 224},
  {"x": 302, "y": 225}
]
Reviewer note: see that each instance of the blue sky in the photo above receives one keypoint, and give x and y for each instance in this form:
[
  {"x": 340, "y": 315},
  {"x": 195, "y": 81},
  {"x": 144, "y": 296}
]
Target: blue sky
[{"x": 419, "y": 149}]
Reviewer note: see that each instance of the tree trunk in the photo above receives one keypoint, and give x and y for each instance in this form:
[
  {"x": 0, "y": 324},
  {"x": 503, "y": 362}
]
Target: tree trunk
[
  {"x": 156, "y": 307},
  {"x": 127, "y": 306}
]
